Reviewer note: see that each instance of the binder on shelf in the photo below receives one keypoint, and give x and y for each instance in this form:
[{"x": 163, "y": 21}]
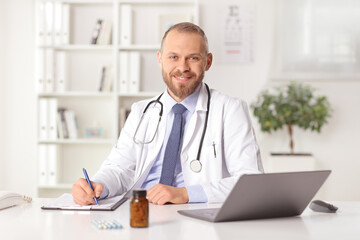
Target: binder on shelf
[
  {"x": 52, "y": 118},
  {"x": 52, "y": 169},
  {"x": 48, "y": 13},
  {"x": 65, "y": 32},
  {"x": 123, "y": 72},
  {"x": 43, "y": 119},
  {"x": 41, "y": 24},
  {"x": 105, "y": 33},
  {"x": 40, "y": 71},
  {"x": 57, "y": 23},
  {"x": 125, "y": 24},
  {"x": 48, "y": 118},
  {"x": 42, "y": 165},
  {"x": 61, "y": 71},
  {"x": 49, "y": 70},
  {"x": 134, "y": 78}
]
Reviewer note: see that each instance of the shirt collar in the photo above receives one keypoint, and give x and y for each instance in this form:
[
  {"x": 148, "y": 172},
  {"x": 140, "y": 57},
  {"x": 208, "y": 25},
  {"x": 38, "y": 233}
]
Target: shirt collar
[{"x": 189, "y": 102}]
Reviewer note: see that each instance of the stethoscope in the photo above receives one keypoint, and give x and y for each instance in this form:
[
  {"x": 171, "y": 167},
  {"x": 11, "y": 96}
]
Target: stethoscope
[{"x": 195, "y": 165}]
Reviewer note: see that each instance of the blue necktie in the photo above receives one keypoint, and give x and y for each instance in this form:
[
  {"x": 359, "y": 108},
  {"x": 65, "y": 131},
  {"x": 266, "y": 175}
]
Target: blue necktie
[{"x": 172, "y": 151}]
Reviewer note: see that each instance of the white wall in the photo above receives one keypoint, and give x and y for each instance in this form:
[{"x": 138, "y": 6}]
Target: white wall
[
  {"x": 18, "y": 135},
  {"x": 336, "y": 148},
  {"x": 2, "y": 92}
]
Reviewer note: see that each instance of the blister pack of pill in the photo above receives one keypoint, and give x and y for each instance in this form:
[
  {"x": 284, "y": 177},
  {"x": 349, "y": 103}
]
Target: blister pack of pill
[{"x": 107, "y": 224}]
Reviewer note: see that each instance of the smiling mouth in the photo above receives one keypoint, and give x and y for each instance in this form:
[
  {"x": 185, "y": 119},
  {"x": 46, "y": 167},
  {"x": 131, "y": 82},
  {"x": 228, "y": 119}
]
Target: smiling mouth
[{"x": 182, "y": 78}]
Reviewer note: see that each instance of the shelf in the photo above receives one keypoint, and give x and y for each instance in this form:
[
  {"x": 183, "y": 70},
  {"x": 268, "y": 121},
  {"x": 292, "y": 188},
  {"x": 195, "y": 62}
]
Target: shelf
[
  {"x": 139, "y": 47},
  {"x": 83, "y": 47},
  {"x": 139, "y": 94},
  {"x": 154, "y": 2},
  {"x": 78, "y": 141},
  {"x": 57, "y": 186},
  {"x": 106, "y": 2},
  {"x": 76, "y": 94}
]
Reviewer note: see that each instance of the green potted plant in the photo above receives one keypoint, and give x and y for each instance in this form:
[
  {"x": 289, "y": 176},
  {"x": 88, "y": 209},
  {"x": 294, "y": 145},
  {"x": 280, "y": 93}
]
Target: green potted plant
[{"x": 291, "y": 105}]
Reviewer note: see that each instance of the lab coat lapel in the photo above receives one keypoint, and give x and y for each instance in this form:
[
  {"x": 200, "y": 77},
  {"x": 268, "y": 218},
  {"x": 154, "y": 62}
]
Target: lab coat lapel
[{"x": 201, "y": 106}]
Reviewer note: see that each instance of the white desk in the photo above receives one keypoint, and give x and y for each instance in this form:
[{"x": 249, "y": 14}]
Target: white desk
[{"x": 30, "y": 222}]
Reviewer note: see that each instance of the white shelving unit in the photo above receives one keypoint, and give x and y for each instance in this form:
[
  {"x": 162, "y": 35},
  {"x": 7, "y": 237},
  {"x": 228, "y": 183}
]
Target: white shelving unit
[{"x": 69, "y": 69}]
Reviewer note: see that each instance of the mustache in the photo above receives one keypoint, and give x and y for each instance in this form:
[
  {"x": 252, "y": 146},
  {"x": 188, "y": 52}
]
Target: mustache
[{"x": 180, "y": 74}]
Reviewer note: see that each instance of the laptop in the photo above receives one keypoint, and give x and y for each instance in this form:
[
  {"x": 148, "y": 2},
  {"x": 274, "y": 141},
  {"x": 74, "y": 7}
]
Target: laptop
[{"x": 265, "y": 195}]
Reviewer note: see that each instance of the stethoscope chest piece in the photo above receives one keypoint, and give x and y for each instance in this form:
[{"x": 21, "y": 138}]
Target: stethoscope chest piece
[{"x": 195, "y": 166}]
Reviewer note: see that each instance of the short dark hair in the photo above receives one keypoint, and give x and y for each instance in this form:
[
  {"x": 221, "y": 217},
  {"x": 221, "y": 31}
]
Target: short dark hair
[{"x": 187, "y": 27}]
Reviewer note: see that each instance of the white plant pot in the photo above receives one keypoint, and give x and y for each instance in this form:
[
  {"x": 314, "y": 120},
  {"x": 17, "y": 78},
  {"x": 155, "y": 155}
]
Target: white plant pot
[{"x": 290, "y": 163}]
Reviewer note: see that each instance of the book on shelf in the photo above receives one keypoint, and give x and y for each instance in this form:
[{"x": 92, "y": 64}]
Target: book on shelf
[
  {"x": 102, "y": 32},
  {"x": 48, "y": 164},
  {"x": 107, "y": 79},
  {"x": 96, "y": 31},
  {"x": 105, "y": 34},
  {"x": 67, "y": 124},
  {"x": 61, "y": 123},
  {"x": 123, "y": 115}
]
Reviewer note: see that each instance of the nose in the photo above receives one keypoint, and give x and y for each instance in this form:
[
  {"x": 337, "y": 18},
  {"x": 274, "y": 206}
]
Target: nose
[{"x": 183, "y": 65}]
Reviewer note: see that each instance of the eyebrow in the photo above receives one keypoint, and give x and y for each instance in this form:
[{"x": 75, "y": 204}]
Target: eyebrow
[{"x": 191, "y": 54}]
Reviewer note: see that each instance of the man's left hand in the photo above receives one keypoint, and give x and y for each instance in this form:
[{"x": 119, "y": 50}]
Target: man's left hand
[{"x": 161, "y": 194}]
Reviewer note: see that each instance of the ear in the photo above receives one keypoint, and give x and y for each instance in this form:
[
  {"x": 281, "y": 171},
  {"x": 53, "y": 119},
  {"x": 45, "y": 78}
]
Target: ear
[
  {"x": 209, "y": 59},
  {"x": 159, "y": 58}
]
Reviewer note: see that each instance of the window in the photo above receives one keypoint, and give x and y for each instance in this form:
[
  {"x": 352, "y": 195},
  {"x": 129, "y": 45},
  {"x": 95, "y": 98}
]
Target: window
[{"x": 318, "y": 39}]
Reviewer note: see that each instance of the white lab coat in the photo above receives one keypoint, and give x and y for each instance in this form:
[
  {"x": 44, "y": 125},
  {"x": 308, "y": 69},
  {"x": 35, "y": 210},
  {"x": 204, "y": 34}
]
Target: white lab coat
[{"x": 229, "y": 130}]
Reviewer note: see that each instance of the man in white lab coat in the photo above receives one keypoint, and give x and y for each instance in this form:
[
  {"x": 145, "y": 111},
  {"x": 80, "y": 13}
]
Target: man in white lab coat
[{"x": 229, "y": 147}]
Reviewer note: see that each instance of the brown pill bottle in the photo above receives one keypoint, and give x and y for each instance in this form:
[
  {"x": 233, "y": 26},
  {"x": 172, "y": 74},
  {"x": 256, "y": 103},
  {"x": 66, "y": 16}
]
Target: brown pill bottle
[{"x": 139, "y": 209}]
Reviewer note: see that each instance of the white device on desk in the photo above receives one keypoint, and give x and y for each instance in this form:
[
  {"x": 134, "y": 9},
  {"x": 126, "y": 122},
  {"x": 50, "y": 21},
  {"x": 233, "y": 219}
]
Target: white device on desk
[
  {"x": 8, "y": 199},
  {"x": 267, "y": 195}
]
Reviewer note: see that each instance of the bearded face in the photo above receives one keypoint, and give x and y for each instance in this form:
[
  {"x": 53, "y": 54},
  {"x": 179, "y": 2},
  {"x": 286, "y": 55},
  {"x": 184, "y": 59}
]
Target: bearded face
[{"x": 183, "y": 62}]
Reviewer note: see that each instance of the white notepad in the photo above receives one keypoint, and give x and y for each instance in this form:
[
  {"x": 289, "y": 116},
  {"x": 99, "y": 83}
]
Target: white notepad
[{"x": 66, "y": 202}]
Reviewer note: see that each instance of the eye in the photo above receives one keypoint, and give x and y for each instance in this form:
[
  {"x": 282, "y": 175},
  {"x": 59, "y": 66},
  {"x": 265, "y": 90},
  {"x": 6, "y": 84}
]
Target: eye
[
  {"x": 173, "y": 57},
  {"x": 194, "y": 58}
]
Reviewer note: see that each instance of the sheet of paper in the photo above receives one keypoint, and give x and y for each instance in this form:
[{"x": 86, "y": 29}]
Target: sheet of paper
[{"x": 66, "y": 201}]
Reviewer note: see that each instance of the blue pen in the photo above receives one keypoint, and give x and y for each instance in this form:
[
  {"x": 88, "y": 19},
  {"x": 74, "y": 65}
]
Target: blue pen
[{"x": 88, "y": 180}]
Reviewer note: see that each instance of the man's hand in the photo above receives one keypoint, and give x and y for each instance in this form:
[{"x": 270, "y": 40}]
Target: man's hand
[
  {"x": 83, "y": 194},
  {"x": 161, "y": 194}
]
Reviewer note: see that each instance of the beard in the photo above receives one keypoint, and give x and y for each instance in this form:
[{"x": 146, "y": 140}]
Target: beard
[{"x": 179, "y": 89}]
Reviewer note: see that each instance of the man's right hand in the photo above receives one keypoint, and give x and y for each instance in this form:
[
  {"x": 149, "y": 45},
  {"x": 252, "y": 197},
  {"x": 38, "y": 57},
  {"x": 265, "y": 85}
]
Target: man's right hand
[{"x": 83, "y": 194}]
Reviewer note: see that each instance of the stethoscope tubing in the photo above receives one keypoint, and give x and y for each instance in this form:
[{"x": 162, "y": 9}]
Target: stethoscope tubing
[{"x": 160, "y": 116}]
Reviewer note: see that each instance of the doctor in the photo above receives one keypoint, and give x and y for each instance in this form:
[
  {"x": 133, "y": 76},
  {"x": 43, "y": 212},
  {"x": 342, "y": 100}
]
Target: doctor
[{"x": 212, "y": 124}]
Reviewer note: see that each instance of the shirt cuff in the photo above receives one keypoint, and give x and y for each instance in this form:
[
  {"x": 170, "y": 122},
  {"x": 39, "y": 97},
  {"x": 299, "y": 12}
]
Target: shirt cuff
[{"x": 196, "y": 194}]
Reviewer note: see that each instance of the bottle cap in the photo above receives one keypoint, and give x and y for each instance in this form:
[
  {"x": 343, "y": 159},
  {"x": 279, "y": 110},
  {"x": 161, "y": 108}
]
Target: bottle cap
[{"x": 139, "y": 192}]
